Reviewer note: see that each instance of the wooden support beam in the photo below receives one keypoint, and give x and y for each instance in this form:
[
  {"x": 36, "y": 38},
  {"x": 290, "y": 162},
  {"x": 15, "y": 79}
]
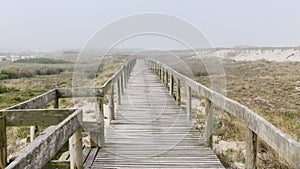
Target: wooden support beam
[
  {"x": 122, "y": 83},
  {"x": 80, "y": 92},
  {"x": 111, "y": 115},
  {"x": 163, "y": 76},
  {"x": 251, "y": 150},
  {"x": 171, "y": 86},
  {"x": 119, "y": 92},
  {"x": 159, "y": 72},
  {"x": 208, "y": 124},
  {"x": 178, "y": 95},
  {"x": 167, "y": 80},
  {"x": 35, "y": 117},
  {"x": 97, "y": 138},
  {"x": 75, "y": 148},
  {"x": 124, "y": 78},
  {"x": 188, "y": 103},
  {"x": 32, "y": 133},
  {"x": 3, "y": 142}
]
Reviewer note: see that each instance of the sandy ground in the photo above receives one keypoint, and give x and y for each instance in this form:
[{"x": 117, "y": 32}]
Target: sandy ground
[{"x": 278, "y": 55}]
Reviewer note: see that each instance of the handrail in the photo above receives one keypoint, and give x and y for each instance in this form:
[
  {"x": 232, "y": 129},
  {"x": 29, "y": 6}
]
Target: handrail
[
  {"x": 282, "y": 143},
  {"x": 44, "y": 147},
  {"x": 54, "y": 137}
]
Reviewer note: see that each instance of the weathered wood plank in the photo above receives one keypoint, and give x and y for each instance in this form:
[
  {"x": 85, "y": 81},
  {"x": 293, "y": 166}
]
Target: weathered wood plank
[
  {"x": 36, "y": 117},
  {"x": 44, "y": 147},
  {"x": 90, "y": 158},
  {"x": 3, "y": 142},
  {"x": 36, "y": 102},
  {"x": 80, "y": 92}
]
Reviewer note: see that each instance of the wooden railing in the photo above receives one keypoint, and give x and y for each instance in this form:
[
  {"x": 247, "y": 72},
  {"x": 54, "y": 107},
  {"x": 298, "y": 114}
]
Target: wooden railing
[
  {"x": 257, "y": 126},
  {"x": 65, "y": 124}
]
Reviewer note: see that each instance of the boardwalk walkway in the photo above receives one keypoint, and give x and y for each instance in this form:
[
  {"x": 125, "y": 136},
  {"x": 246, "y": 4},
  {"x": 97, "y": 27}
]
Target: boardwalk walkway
[{"x": 151, "y": 131}]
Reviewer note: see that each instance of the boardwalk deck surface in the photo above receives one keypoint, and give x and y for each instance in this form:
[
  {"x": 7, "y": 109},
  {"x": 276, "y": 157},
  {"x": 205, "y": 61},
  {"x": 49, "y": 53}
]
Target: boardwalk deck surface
[{"x": 151, "y": 131}]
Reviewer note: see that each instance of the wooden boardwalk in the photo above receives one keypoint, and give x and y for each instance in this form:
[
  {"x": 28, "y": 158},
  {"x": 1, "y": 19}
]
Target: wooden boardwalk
[{"x": 151, "y": 131}]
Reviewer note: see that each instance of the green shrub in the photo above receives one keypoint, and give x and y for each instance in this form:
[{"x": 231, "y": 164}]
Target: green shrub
[{"x": 5, "y": 74}]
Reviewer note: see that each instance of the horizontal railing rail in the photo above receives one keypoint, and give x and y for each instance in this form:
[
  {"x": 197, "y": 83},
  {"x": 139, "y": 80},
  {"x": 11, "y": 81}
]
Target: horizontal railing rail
[
  {"x": 65, "y": 124},
  {"x": 42, "y": 149},
  {"x": 282, "y": 143}
]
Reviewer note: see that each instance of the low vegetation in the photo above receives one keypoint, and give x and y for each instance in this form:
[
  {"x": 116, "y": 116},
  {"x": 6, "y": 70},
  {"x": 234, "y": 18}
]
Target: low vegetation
[{"x": 271, "y": 90}]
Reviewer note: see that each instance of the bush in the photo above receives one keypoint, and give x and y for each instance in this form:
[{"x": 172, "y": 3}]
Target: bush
[{"x": 5, "y": 74}]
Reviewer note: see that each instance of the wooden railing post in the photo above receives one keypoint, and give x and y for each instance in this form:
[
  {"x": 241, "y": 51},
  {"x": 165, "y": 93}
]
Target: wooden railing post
[
  {"x": 167, "y": 80},
  {"x": 75, "y": 148},
  {"x": 171, "y": 85},
  {"x": 111, "y": 115},
  {"x": 125, "y": 77},
  {"x": 208, "y": 123},
  {"x": 251, "y": 149},
  {"x": 3, "y": 142},
  {"x": 32, "y": 132},
  {"x": 188, "y": 102},
  {"x": 160, "y": 72},
  {"x": 119, "y": 91},
  {"x": 97, "y": 138},
  {"x": 163, "y": 76},
  {"x": 122, "y": 83},
  {"x": 178, "y": 95}
]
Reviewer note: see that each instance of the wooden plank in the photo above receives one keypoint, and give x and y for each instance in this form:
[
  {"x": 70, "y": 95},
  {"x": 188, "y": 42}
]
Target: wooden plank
[
  {"x": 80, "y": 92},
  {"x": 85, "y": 153},
  {"x": 36, "y": 102},
  {"x": 3, "y": 142},
  {"x": 36, "y": 117},
  {"x": 75, "y": 148},
  {"x": 90, "y": 159},
  {"x": 44, "y": 147}
]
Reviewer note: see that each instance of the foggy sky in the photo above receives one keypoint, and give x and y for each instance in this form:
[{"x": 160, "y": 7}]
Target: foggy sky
[{"x": 57, "y": 24}]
